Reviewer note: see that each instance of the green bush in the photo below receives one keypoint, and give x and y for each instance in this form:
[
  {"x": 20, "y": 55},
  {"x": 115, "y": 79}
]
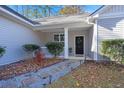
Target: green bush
[
  {"x": 114, "y": 49},
  {"x": 2, "y": 51},
  {"x": 30, "y": 47},
  {"x": 55, "y": 48}
]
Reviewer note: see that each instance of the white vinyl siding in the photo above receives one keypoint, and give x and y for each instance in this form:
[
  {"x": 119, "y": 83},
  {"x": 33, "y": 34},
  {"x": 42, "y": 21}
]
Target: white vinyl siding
[
  {"x": 13, "y": 36},
  {"x": 110, "y": 28},
  {"x": 112, "y": 9}
]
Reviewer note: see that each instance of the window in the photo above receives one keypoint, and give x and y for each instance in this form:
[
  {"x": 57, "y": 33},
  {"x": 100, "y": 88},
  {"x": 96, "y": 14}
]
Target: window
[
  {"x": 56, "y": 37},
  {"x": 62, "y": 37},
  {"x": 59, "y": 37}
]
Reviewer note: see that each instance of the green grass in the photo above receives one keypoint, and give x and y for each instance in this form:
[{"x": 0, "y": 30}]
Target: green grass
[{"x": 93, "y": 75}]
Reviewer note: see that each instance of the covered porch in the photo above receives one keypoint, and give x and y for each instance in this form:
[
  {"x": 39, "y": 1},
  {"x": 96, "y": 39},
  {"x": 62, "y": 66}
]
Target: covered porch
[
  {"x": 76, "y": 36},
  {"x": 77, "y": 41}
]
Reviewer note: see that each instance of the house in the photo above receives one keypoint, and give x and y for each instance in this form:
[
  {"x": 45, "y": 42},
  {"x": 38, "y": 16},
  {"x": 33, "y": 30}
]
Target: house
[{"x": 82, "y": 34}]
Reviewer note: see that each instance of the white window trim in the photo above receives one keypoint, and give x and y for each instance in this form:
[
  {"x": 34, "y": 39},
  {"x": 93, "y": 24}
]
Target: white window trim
[{"x": 59, "y": 37}]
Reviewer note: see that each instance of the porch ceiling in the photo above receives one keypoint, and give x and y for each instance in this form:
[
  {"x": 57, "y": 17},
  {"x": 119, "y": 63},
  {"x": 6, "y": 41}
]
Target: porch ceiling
[
  {"x": 60, "y": 27},
  {"x": 79, "y": 28}
]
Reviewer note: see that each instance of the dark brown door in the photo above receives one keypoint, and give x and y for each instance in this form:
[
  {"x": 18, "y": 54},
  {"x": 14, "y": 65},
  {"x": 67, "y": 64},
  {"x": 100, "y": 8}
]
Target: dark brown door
[{"x": 79, "y": 45}]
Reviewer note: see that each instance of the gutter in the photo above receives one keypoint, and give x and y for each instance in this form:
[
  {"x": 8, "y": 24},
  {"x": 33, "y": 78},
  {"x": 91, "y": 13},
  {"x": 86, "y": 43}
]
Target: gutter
[
  {"x": 97, "y": 10},
  {"x": 18, "y": 16}
]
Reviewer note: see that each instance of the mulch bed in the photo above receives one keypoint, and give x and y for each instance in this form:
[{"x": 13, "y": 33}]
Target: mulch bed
[{"x": 24, "y": 66}]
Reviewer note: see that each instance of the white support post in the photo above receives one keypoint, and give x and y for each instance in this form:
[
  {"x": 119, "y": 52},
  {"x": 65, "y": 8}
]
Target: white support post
[
  {"x": 96, "y": 41},
  {"x": 66, "y": 42}
]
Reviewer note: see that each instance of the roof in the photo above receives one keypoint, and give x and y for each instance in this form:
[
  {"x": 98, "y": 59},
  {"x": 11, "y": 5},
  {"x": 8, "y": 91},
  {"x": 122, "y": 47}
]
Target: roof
[
  {"x": 62, "y": 19},
  {"x": 17, "y": 14},
  {"x": 54, "y": 19},
  {"x": 97, "y": 10}
]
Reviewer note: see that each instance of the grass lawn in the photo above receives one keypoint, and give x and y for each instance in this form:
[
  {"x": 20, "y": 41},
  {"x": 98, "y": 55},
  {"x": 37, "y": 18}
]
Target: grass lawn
[{"x": 93, "y": 75}]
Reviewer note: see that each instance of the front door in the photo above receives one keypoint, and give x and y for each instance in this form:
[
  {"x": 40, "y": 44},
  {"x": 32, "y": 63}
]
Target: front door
[{"x": 79, "y": 45}]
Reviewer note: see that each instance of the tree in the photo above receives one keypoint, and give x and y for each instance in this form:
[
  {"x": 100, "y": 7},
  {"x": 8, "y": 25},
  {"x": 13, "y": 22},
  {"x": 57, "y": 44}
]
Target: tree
[
  {"x": 2, "y": 51},
  {"x": 22, "y": 9},
  {"x": 46, "y": 10},
  {"x": 16, "y": 8},
  {"x": 73, "y": 9},
  {"x": 30, "y": 48},
  {"x": 55, "y": 48},
  {"x": 38, "y": 11},
  {"x": 42, "y": 10},
  {"x": 26, "y": 11}
]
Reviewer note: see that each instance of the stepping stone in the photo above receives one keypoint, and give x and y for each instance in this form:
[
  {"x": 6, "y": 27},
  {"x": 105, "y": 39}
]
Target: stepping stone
[
  {"x": 29, "y": 81},
  {"x": 43, "y": 75},
  {"x": 61, "y": 67},
  {"x": 11, "y": 83},
  {"x": 55, "y": 70}
]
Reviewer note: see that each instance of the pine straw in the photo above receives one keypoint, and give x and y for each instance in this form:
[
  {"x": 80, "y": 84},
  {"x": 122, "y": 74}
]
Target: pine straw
[
  {"x": 25, "y": 66},
  {"x": 91, "y": 74}
]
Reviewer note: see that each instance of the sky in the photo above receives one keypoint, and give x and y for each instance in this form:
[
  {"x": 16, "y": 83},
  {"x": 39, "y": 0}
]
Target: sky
[
  {"x": 87, "y": 8},
  {"x": 91, "y": 8},
  {"x": 54, "y": 11}
]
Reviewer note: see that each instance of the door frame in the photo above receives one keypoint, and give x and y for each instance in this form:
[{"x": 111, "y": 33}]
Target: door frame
[{"x": 75, "y": 44}]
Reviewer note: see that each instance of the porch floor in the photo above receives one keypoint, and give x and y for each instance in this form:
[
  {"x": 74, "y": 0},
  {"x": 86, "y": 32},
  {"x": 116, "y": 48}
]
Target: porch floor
[{"x": 80, "y": 58}]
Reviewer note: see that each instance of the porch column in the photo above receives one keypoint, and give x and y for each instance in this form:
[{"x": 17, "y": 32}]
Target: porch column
[
  {"x": 66, "y": 42},
  {"x": 95, "y": 41}
]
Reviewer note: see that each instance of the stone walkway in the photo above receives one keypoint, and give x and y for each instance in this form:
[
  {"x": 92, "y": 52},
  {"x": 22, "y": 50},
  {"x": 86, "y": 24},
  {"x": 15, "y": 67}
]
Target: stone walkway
[{"x": 42, "y": 77}]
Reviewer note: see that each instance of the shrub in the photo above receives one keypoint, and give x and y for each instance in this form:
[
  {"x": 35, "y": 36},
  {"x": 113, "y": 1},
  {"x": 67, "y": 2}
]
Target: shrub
[
  {"x": 114, "y": 49},
  {"x": 2, "y": 51},
  {"x": 30, "y": 47},
  {"x": 55, "y": 48}
]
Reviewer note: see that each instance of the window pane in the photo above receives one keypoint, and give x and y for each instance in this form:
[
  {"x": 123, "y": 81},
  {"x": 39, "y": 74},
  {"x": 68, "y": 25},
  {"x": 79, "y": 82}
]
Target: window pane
[
  {"x": 61, "y": 37},
  {"x": 56, "y": 37}
]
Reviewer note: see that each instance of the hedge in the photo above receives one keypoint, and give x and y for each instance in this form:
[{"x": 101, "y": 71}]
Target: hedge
[{"x": 114, "y": 49}]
